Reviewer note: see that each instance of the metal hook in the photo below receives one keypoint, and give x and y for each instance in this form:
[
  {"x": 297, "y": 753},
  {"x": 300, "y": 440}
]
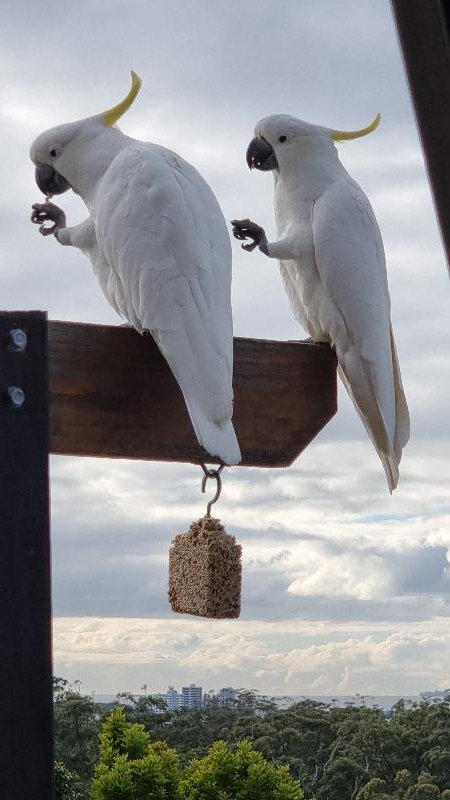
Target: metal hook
[{"x": 212, "y": 473}]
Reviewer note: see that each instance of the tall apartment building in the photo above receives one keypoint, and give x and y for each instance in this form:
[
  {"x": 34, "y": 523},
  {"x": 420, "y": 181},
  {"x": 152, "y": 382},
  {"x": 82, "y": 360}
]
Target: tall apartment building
[
  {"x": 191, "y": 696},
  {"x": 173, "y": 699}
]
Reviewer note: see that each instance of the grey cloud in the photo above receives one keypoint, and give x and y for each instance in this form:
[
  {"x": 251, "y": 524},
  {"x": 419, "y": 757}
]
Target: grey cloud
[
  {"x": 117, "y": 587},
  {"x": 344, "y": 609},
  {"x": 185, "y": 46},
  {"x": 424, "y": 570}
]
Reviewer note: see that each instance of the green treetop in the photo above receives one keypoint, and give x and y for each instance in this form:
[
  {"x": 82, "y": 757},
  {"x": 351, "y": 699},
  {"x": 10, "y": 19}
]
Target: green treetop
[
  {"x": 239, "y": 774},
  {"x": 131, "y": 767}
]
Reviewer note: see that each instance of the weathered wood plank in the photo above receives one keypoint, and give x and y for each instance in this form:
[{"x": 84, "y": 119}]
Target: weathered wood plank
[
  {"x": 26, "y": 712},
  {"x": 112, "y": 394},
  {"x": 424, "y": 31}
]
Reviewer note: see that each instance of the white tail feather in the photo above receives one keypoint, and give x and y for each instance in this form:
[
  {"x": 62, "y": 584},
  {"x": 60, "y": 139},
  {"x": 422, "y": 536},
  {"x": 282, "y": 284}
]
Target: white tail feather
[
  {"x": 218, "y": 439},
  {"x": 362, "y": 392}
]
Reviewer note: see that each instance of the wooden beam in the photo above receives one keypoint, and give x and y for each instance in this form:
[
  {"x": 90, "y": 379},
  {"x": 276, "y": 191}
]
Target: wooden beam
[
  {"x": 424, "y": 32},
  {"x": 26, "y": 711},
  {"x": 112, "y": 394}
]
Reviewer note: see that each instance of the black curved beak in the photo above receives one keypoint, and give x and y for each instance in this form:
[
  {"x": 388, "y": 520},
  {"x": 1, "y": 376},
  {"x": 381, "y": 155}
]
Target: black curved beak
[
  {"x": 261, "y": 155},
  {"x": 49, "y": 181}
]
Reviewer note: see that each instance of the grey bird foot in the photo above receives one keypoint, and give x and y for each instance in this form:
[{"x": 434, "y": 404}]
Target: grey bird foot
[
  {"x": 246, "y": 229},
  {"x": 48, "y": 212}
]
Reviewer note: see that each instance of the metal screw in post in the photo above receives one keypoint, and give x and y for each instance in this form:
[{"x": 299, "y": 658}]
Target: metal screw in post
[
  {"x": 16, "y": 396},
  {"x": 17, "y": 340}
]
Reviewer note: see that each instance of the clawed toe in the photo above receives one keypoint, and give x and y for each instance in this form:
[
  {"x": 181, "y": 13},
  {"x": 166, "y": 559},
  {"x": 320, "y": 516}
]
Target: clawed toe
[
  {"x": 47, "y": 212},
  {"x": 246, "y": 229}
]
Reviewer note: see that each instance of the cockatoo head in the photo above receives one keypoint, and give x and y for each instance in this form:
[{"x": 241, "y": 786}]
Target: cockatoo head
[
  {"x": 56, "y": 151},
  {"x": 281, "y": 139}
]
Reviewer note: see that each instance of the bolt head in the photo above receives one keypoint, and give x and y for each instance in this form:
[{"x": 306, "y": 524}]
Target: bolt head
[
  {"x": 17, "y": 340},
  {"x": 16, "y": 396}
]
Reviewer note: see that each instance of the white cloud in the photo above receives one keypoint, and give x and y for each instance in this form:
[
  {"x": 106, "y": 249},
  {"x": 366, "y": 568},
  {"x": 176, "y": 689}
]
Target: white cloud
[
  {"x": 343, "y": 660},
  {"x": 352, "y": 574}
]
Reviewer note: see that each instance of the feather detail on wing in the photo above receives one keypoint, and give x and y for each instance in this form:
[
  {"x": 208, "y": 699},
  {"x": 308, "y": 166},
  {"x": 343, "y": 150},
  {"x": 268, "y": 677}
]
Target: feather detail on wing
[
  {"x": 162, "y": 233},
  {"x": 351, "y": 264}
]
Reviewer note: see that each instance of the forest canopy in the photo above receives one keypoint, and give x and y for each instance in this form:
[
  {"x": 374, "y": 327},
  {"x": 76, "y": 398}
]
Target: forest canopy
[{"x": 310, "y": 750}]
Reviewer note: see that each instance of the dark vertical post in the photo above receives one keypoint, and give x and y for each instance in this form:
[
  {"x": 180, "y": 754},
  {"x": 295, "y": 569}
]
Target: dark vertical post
[
  {"x": 424, "y": 32},
  {"x": 26, "y": 719}
]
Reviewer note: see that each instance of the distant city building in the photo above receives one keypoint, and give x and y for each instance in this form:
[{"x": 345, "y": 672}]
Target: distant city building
[
  {"x": 210, "y": 700},
  {"x": 173, "y": 699},
  {"x": 224, "y": 698},
  {"x": 192, "y": 696},
  {"x": 158, "y": 696},
  {"x": 227, "y": 697}
]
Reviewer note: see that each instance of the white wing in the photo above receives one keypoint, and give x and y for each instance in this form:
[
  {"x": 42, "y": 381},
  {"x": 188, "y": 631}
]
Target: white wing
[
  {"x": 351, "y": 264},
  {"x": 162, "y": 234}
]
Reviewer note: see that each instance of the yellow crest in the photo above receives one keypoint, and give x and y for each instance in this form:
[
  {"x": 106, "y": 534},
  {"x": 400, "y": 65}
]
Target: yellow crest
[
  {"x": 342, "y": 136},
  {"x": 111, "y": 116}
]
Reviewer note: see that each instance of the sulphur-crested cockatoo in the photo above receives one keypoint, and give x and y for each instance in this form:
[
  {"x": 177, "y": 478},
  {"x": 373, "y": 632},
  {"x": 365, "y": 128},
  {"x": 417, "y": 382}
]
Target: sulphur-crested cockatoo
[
  {"x": 160, "y": 248},
  {"x": 332, "y": 263}
]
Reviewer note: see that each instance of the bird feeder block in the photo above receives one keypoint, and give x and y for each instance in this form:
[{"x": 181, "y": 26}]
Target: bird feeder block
[{"x": 205, "y": 571}]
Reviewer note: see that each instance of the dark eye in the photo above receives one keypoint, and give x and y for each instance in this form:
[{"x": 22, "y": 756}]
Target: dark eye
[
  {"x": 52, "y": 153},
  {"x": 282, "y": 139}
]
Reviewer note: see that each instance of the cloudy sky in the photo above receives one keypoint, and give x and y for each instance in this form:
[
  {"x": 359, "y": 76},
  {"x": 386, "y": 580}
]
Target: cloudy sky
[{"x": 345, "y": 589}]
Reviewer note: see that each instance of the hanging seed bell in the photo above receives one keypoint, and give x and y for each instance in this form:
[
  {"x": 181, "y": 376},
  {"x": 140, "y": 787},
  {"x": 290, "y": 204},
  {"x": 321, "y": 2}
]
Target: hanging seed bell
[{"x": 205, "y": 568}]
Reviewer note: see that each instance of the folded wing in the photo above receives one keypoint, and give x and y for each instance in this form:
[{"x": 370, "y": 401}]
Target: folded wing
[
  {"x": 351, "y": 264},
  {"x": 162, "y": 233}
]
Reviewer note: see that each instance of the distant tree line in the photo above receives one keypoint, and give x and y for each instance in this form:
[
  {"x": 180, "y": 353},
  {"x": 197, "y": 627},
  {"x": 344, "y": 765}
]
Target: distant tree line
[{"x": 310, "y": 750}]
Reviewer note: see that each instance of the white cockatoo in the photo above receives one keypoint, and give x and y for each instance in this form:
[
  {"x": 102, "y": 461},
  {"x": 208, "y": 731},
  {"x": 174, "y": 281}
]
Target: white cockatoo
[
  {"x": 332, "y": 262},
  {"x": 159, "y": 246}
]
